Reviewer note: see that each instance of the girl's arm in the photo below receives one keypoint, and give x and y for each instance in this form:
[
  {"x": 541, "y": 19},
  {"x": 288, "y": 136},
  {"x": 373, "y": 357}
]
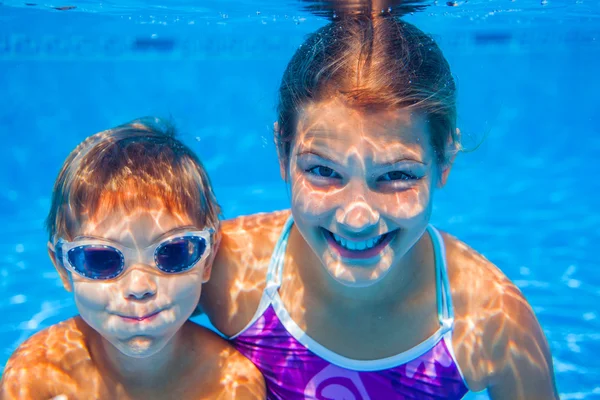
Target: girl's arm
[{"x": 521, "y": 361}]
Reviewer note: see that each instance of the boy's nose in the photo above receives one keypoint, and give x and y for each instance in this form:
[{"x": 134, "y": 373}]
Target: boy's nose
[{"x": 139, "y": 285}]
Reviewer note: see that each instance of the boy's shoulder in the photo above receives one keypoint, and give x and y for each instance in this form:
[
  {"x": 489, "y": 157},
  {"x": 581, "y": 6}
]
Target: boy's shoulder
[
  {"x": 221, "y": 371},
  {"x": 212, "y": 349},
  {"x": 61, "y": 345},
  {"x": 50, "y": 357}
]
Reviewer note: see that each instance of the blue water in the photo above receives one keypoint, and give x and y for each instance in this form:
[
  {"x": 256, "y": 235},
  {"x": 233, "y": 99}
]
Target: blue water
[{"x": 527, "y": 75}]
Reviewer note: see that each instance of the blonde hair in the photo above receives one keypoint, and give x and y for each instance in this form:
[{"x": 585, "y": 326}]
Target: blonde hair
[
  {"x": 130, "y": 166},
  {"x": 371, "y": 61}
]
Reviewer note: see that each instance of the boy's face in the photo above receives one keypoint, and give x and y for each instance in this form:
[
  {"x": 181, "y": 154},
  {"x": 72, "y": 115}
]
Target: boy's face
[{"x": 141, "y": 310}]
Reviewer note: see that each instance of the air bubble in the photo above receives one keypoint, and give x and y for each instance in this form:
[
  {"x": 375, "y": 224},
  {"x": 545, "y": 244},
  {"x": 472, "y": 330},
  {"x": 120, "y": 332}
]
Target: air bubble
[
  {"x": 18, "y": 299},
  {"x": 589, "y": 316}
]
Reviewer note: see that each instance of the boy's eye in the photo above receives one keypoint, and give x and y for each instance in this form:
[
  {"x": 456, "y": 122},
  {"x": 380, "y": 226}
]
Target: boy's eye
[
  {"x": 397, "y": 176},
  {"x": 325, "y": 172}
]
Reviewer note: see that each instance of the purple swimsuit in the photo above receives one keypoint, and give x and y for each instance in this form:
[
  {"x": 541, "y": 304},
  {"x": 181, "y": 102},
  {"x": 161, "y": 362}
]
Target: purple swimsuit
[{"x": 297, "y": 367}]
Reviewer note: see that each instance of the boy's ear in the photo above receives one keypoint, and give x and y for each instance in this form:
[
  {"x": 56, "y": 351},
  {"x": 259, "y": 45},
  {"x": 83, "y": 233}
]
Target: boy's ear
[
  {"x": 216, "y": 242},
  {"x": 62, "y": 272},
  {"x": 208, "y": 268}
]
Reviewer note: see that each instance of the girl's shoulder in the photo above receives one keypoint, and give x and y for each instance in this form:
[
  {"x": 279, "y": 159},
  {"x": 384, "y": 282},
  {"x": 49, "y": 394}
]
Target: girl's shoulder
[
  {"x": 258, "y": 229},
  {"x": 496, "y": 333},
  {"x": 470, "y": 272},
  {"x": 231, "y": 296}
]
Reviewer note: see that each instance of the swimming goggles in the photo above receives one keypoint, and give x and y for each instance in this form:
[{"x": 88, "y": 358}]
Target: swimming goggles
[{"x": 96, "y": 259}]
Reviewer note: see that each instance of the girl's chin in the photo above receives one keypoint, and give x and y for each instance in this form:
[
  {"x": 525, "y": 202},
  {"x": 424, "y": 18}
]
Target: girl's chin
[{"x": 356, "y": 274}]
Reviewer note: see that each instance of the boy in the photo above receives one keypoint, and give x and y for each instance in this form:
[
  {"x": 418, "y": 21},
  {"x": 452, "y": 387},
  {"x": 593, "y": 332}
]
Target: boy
[{"x": 131, "y": 230}]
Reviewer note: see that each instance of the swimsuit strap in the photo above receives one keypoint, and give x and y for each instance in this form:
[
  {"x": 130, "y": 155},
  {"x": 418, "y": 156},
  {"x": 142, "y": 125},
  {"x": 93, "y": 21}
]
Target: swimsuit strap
[
  {"x": 443, "y": 294},
  {"x": 275, "y": 270}
]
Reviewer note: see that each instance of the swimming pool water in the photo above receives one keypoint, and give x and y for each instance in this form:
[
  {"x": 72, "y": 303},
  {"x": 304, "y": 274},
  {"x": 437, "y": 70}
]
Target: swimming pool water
[{"x": 527, "y": 198}]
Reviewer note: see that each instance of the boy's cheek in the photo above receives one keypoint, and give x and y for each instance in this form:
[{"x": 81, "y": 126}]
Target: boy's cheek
[{"x": 94, "y": 296}]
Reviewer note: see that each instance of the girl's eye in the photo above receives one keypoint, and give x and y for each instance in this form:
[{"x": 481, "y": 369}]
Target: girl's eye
[
  {"x": 324, "y": 172},
  {"x": 397, "y": 176}
]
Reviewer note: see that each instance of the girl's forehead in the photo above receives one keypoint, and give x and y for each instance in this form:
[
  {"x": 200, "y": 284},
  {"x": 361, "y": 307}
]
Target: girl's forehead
[
  {"x": 333, "y": 126},
  {"x": 337, "y": 108}
]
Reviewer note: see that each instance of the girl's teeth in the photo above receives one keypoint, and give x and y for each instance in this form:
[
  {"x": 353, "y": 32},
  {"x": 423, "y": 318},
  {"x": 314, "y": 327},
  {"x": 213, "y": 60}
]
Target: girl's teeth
[{"x": 357, "y": 245}]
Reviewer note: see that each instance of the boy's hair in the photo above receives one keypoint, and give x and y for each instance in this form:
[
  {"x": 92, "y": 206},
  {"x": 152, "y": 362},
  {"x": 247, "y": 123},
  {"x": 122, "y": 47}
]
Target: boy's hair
[
  {"x": 371, "y": 61},
  {"x": 129, "y": 166}
]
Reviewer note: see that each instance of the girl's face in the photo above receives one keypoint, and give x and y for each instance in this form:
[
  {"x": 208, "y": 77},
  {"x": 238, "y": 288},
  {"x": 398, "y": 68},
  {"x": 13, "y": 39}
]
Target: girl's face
[
  {"x": 361, "y": 186},
  {"x": 141, "y": 310}
]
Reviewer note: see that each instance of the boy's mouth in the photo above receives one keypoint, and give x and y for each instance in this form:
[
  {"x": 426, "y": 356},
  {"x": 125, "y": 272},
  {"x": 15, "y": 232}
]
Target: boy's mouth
[
  {"x": 144, "y": 318},
  {"x": 358, "y": 249}
]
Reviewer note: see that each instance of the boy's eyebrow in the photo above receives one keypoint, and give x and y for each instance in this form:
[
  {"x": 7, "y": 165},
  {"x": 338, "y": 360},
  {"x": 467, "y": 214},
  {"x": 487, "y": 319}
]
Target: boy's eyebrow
[
  {"x": 154, "y": 240},
  {"x": 79, "y": 237},
  {"x": 174, "y": 230}
]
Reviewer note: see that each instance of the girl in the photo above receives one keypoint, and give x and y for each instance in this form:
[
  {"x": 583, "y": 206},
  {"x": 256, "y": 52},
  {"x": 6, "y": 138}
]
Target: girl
[{"x": 353, "y": 294}]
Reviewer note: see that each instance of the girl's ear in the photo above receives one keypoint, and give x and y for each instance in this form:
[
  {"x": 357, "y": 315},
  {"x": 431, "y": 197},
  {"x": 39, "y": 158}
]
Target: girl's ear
[
  {"x": 445, "y": 172},
  {"x": 452, "y": 148},
  {"x": 281, "y": 157}
]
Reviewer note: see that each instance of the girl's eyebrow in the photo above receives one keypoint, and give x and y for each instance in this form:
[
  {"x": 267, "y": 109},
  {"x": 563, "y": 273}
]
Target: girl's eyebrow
[
  {"x": 400, "y": 159},
  {"x": 313, "y": 152}
]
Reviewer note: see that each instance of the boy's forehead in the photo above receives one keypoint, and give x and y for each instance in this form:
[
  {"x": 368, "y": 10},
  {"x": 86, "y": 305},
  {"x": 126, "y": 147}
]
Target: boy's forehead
[{"x": 144, "y": 224}]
